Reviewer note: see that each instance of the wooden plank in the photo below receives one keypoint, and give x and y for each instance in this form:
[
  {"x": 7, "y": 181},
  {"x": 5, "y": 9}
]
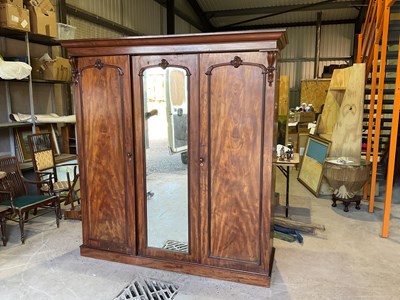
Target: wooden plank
[
  {"x": 333, "y": 101},
  {"x": 340, "y": 78},
  {"x": 65, "y": 139},
  {"x": 346, "y": 136},
  {"x": 283, "y": 104}
]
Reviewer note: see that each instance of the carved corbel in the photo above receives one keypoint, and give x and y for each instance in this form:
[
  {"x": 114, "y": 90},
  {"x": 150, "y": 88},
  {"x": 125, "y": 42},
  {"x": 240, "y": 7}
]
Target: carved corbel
[
  {"x": 270, "y": 69},
  {"x": 74, "y": 70}
]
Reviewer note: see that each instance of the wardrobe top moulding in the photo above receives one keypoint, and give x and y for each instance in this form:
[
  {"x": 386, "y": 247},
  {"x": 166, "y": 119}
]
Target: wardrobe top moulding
[{"x": 184, "y": 43}]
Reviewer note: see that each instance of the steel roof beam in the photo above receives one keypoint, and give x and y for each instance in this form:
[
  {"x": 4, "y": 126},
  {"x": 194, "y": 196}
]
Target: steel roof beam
[
  {"x": 285, "y": 25},
  {"x": 202, "y": 16},
  {"x": 276, "y": 13},
  {"x": 324, "y": 5},
  {"x": 204, "y": 25}
]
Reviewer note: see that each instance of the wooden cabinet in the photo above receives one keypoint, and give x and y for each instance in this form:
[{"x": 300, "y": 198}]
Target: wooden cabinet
[{"x": 230, "y": 91}]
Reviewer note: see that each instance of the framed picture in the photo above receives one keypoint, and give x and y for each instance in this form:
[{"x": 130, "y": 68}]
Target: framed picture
[
  {"x": 310, "y": 173},
  {"x": 22, "y": 143}
]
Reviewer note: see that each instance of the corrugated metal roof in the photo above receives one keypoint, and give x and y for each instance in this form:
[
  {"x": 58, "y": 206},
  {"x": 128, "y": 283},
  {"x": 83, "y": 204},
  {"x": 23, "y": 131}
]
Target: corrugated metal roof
[
  {"x": 294, "y": 17},
  {"x": 227, "y": 13},
  {"x": 212, "y": 5},
  {"x": 149, "y": 17}
]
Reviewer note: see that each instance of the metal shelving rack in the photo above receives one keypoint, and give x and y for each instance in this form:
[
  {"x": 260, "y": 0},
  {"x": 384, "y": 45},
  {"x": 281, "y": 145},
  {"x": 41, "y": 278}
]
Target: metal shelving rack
[{"x": 28, "y": 38}]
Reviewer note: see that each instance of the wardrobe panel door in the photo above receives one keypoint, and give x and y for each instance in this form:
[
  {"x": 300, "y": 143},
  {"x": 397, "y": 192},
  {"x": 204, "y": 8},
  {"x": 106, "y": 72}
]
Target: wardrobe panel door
[
  {"x": 167, "y": 155},
  {"x": 235, "y": 179},
  {"x": 105, "y": 140}
]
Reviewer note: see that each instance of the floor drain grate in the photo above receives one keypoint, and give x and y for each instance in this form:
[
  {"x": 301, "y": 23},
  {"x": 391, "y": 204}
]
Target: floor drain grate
[
  {"x": 176, "y": 246},
  {"x": 148, "y": 290}
]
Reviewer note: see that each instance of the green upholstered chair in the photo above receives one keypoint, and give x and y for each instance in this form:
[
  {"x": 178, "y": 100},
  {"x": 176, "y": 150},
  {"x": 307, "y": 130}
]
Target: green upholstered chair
[{"x": 14, "y": 193}]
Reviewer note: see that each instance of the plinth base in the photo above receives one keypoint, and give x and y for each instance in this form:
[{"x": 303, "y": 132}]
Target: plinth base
[{"x": 346, "y": 202}]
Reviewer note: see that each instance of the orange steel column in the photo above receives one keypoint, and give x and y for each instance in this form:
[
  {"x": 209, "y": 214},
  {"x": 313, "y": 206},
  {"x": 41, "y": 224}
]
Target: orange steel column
[
  {"x": 359, "y": 48},
  {"x": 392, "y": 153},
  {"x": 371, "y": 111},
  {"x": 381, "y": 87}
]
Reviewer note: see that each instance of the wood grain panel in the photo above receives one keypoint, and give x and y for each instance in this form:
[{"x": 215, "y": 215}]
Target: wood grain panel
[
  {"x": 235, "y": 155},
  {"x": 234, "y": 144},
  {"x": 106, "y": 116}
]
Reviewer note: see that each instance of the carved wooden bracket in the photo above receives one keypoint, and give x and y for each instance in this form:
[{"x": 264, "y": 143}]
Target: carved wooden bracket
[
  {"x": 236, "y": 62},
  {"x": 74, "y": 71},
  {"x": 270, "y": 69},
  {"x": 77, "y": 73},
  {"x": 98, "y": 64},
  {"x": 164, "y": 64}
]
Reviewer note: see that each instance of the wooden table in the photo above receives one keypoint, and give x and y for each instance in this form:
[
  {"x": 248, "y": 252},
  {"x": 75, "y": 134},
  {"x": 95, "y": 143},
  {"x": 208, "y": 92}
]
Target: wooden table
[{"x": 281, "y": 164}]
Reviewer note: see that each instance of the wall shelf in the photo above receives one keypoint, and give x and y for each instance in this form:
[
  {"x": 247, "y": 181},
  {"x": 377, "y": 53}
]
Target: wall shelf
[
  {"x": 25, "y": 80},
  {"x": 33, "y": 38},
  {"x": 13, "y": 124}
]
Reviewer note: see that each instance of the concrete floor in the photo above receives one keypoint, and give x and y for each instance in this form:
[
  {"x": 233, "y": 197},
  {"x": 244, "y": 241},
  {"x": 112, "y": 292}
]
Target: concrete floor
[{"x": 347, "y": 261}]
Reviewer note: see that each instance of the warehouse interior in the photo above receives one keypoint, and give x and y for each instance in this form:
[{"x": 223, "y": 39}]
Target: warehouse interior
[{"x": 332, "y": 170}]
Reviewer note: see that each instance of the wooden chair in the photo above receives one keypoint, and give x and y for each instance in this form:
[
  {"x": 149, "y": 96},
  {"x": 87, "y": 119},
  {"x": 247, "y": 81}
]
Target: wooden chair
[
  {"x": 73, "y": 196},
  {"x": 14, "y": 193},
  {"x": 3, "y": 225},
  {"x": 44, "y": 165},
  {"x": 3, "y": 211}
]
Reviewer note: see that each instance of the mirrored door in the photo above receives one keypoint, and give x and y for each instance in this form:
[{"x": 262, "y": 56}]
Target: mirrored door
[
  {"x": 165, "y": 115},
  {"x": 166, "y": 197}
]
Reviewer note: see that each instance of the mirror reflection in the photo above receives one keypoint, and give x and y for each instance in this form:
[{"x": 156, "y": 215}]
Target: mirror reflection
[{"x": 166, "y": 143}]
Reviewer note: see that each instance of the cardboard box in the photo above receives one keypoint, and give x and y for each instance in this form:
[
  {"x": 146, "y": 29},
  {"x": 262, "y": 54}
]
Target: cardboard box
[
  {"x": 43, "y": 22},
  {"x": 19, "y": 3},
  {"x": 305, "y": 117},
  {"x": 43, "y": 4},
  {"x": 37, "y": 68},
  {"x": 14, "y": 17},
  {"x": 302, "y": 128},
  {"x": 56, "y": 69}
]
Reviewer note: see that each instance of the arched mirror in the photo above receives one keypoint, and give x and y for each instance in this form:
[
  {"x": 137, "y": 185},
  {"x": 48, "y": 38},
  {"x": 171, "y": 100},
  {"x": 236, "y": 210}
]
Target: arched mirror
[{"x": 165, "y": 96}]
